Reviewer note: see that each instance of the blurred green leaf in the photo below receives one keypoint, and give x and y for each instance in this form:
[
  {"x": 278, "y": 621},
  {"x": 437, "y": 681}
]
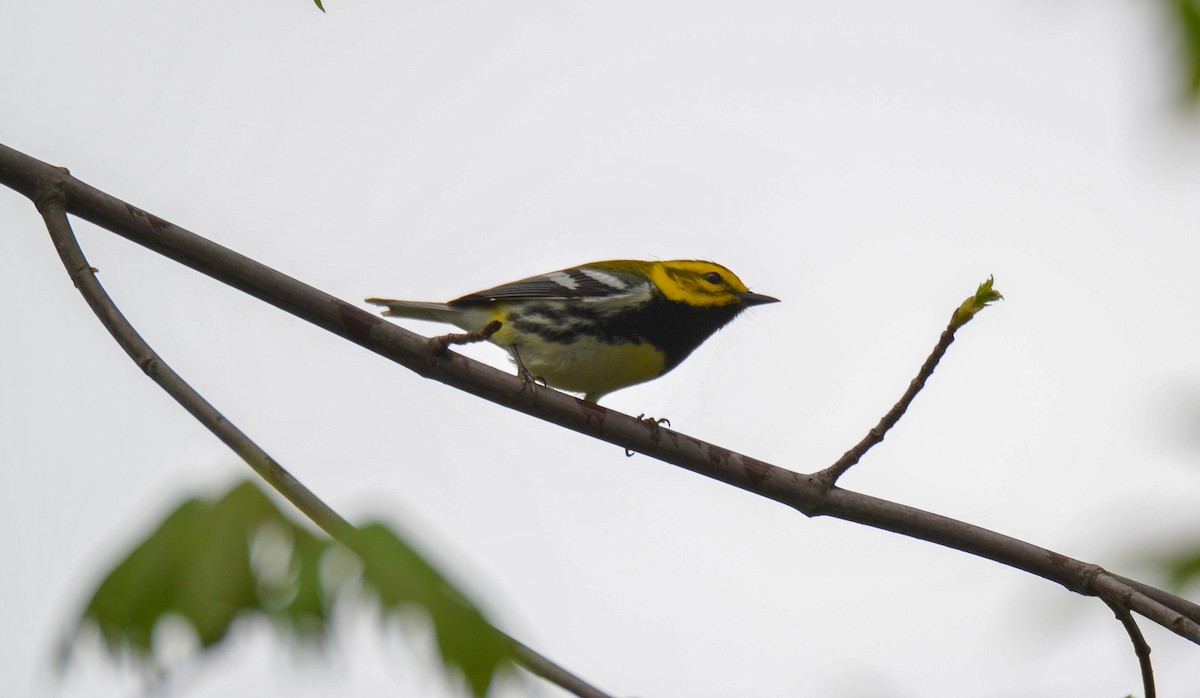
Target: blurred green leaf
[
  {"x": 196, "y": 563},
  {"x": 212, "y": 561},
  {"x": 401, "y": 577},
  {"x": 1183, "y": 569},
  {"x": 319, "y": 5},
  {"x": 1185, "y": 15}
]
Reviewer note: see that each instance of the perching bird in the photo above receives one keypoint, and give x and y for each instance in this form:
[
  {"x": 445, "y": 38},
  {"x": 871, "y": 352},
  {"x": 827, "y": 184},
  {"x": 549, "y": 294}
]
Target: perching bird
[{"x": 598, "y": 327}]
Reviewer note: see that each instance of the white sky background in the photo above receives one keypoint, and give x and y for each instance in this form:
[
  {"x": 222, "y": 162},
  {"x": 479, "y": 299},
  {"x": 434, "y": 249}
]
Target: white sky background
[{"x": 867, "y": 163}]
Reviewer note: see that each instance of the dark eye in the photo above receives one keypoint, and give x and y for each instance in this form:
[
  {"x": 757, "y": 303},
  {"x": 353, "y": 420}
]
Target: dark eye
[{"x": 713, "y": 277}]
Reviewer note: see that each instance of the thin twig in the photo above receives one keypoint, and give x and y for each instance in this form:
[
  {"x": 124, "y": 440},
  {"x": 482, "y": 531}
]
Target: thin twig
[
  {"x": 1140, "y": 647},
  {"x": 984, "y": 296},
  {"x": 441, "y": 343},
  {"x": 1110, "y": 588},
  {"x": 50, "y": 204},
  {"x": 876, "y": 434},
  {"x": 1175, "y": 603},
  {"x": 557, "y": 675},
  {"x": 810, "y": 494}
]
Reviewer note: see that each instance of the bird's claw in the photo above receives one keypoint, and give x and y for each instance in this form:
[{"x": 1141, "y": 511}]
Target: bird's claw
[
  {"x": 529, "y": 381},
  {"x": 653, "y": 422}
]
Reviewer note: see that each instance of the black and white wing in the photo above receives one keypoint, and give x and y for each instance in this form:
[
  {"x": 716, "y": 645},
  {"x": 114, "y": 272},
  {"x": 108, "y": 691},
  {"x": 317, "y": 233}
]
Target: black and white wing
[{"x": 577, "y": 282}]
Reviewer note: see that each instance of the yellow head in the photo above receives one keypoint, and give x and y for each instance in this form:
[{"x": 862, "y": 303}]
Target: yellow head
[{"x": 702, "y": 284}]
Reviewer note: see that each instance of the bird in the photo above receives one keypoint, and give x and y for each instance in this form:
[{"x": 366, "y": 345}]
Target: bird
[{"x": 598, "y": 327}]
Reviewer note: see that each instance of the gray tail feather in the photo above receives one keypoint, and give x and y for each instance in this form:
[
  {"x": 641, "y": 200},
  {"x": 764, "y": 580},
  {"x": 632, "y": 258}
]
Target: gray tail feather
[{"x": 417, "y": 310}]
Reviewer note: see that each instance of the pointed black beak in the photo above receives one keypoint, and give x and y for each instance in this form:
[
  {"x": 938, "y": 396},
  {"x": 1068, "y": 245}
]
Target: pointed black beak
[{"x": 749, "y": 298}]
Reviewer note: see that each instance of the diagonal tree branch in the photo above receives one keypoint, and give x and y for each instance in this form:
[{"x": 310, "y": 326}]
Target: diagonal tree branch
[
  {"x": 83, "y": 276},
  {"x": 50, "y": 205},
  {"x": 811, "y": 494}
]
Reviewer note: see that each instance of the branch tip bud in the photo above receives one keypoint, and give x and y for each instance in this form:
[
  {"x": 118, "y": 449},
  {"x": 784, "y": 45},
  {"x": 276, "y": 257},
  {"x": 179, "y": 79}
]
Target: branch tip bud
[{"x": 984, "y": 296}]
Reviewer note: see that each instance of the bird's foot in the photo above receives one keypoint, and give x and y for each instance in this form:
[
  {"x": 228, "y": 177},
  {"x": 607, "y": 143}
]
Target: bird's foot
[
  {"x": 655, "y": 423},
  {"x": 528, "y": 380}
]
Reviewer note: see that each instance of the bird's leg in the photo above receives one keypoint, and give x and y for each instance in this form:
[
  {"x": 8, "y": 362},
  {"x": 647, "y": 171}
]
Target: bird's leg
[
  {"x": 528, "y": 380},
  {"x": 438, "y": 345}
]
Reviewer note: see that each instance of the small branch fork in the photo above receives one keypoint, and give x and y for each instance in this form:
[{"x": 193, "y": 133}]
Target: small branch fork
[
  {"x": 50, "y": 205},
  {"x": 55, "y": 193}
]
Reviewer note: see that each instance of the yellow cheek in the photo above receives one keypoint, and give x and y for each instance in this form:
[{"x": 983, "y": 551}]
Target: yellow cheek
[{"x": 685, "y": 289}]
